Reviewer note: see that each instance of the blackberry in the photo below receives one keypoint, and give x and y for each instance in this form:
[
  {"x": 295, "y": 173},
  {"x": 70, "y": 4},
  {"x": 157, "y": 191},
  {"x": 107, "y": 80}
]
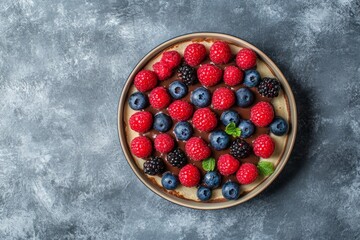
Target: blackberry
[
  {"x": 154, "y": 166},
  {"x": 269, "y": 87},
  {"x": 187, "y": 74},
  {"x": 177, "y": 158},
  {"x": 240, "y": 149}
]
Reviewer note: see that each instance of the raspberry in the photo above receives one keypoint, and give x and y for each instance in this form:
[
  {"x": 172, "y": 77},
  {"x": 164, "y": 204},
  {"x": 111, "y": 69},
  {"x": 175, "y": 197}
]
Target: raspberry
[
  {"x": 223, "y": 98},
  {"x": 180, "y": 110},
  {"x": 164, "y": 143},
  {"x": 145, "y": 80},
  {"x": 269, "y": 87},
  {"x": 246, "y": 59},
  {"x": 141, "y": 147},
  {"x": 187, "y": 74},
  {"x": 240, "y": 149},
  {"x": 197, "y": 149},
  {"x": 263, "y": 146},
  {"x": 171, "y": 58},
  {"x": 162, "y": 70},
  {"x": 154, "y": 166},
  {"x": 194, "y": 54},
  {"x": 227, "y": 164},
  {"x": 209, "y": 74},
  {"x": 141, "y": 121},
  {"x": 159, "y": 98},
  {"x": 262, "y": 114},
  {"x": 204, "y": 119},
  {"x": 177, "y": 158},
  {"x": 189, "y": 176},
  {"x": 220, "y": 52},
  {"x": 247, "y": 173},
  {"x": 233, "y": 76}
]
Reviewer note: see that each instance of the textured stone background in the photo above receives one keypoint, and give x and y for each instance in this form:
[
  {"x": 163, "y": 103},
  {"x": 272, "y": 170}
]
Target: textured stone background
[{"x": 62, "y": 68}]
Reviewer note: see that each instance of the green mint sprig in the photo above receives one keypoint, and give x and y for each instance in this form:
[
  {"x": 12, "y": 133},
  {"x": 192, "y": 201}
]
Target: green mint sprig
[
  {"x": 265, "y": 168},
  {"x": 208, "y": 164},
  {"x": 232, "y": 130}
]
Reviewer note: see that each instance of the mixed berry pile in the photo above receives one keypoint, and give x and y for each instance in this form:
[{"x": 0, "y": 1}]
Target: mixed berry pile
[{"x": 173, "y": 118}]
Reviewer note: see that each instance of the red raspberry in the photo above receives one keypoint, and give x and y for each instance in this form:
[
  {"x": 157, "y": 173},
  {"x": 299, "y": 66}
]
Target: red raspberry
[
  {"x": 141, "y": 121},
  {"x": 263, "y": 146},
  {"x": 159, "y": 98},
  {"x": 189, "y": 176},
  {"x": 220, "y": 52},
  {"x": 141, "y": 147},
  {"x": 223, "y": 98},
  {"x": 246, "y": 59},
  {"x": 180, "y": 110},
  {"x": 262, "y": 114},
  {"x": 209, "y": 74},
  {"x": 164, "y": 143},
  {"x": 171, "y": 58},
  {"x": 204, "y": 119},
  {"x": 247, "y": 173},
  {"x": 145, "y": 80},
  {"x": 233, "y": 76},
  {"x": 197, "y": 149},
  {"x": 162, "y": 70},
  {"x": 194, "y": 54},
  {"x": 227, "y": 164}
]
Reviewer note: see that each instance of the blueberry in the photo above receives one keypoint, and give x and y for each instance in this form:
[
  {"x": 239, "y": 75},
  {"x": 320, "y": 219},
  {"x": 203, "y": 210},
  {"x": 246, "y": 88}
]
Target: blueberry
[
  {"x": 252, "y": 78},
  {"x": 162, "y": 122},
  {"x": 219, "y": 140},
  {"x": 279, "y": 126},
  {"x": 138, "y": 101},
  {"x": 212, "y": 179},
  {"x": 201, "y": 97},
  {"x": 204, "y": 193},
  {"x": 247, "y": 128},
  {"x": 230, "y": 116},
  {"x": 178, "y": 89},
  {"x": 231, "y": 190},
  {"x": 244, "y": 97},
  {"x": 169, "y": 181},
  {"x": 183, "y": 130}
]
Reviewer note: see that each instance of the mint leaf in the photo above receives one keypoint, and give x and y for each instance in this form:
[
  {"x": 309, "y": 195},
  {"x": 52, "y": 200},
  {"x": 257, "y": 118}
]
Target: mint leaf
[
  {"x": 265, "y": 168},
  {"x": 208, "y": 164},
  {"x": 232, "y": 130}
]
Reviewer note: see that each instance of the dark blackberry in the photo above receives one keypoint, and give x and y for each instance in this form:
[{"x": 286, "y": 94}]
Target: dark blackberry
[
  {"x": 269, "y": 87},
  {"x": 240, "y": 149},
  {"x": 177, "y": 158},
  {"x": 154, "y": 166},
  {"x": 187, "y": 74}
]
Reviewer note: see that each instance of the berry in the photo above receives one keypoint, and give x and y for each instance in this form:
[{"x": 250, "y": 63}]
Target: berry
[
  {"x": 162, "y": 70},
  {"x": 141, "y": 147},
  {"x": 220, "y": 52},
  {"x": 154, "y": 166},
  {"x": 230, "y": 116},
  {"x": 204, "y": 193},
  {"x": 279, "y": 126},
  {"x": 244, "y": 97},
  {"x": 231, "y": 190},
  {"x": 262, "y": 114},
  {"x": 187, "y": 74},
  {"x": 138, "y": 101},
  {"x": 240, "y": 149},
  {"x": 223, "y": 98},
  {"x": 177, "y": 158},
  {"x": 171, "y": 58},
  {"x": 269, "y": 87},
  {"x": 178, "y": 89},
  {"x": 227, "y": 164},
  {"x": 159, "y": 98},
  {"x": 162, "y": 122},
  {"x": 252, "y": 78},
  {"x": 219, "y": 140},
  {"x": 247, "y": 173},
  {"x": 212, "y": 179},
  {"x": 194, "y": 54},
  {"x": 197, "y": 149},
  {"x": 263, "y": 146},
  {"x": 145, "y": 80},
  {"x": 183, "y": 131},
  {"x": 180, "y": 110},
  {"x": 246, "y": 59},
  {"x": 141, "y": 121},
  {"x": 204, "y": 119},
  {"x": 169, "y": 181},
  {"x": 164, "y": 143},
  {"x": 233, "y": 76},
  {"x": 189, "y": 176},
  {"x": 209, "y": 74},
  {"x": 201, "y": 97},
  {"x": 247, "y": 128}
]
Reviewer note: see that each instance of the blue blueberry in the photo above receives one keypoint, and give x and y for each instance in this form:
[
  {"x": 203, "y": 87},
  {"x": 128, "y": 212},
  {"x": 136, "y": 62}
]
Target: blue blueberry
[
  {"x": 169, "y": 181},
  {"x": 230, "y": 116},
  {"x": 201, "y": 97},
  {"x": 219, "y": 140},
  {"x": 244, "y": 97},
  {"x": 162, "y": 122},
  {"x": 138, "y": 101},
  {"x": 212, "y": 179},
  {"x": 279, "y": 126},
  {"x": 252, "y": 78},
  {"x": 231, "y": 190},
  {"x": 247, "y": 128},
  {"x": 183, "y": 130},
  {"x": 204, "y": 193},
  {"x": 178, "y": 89}
]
